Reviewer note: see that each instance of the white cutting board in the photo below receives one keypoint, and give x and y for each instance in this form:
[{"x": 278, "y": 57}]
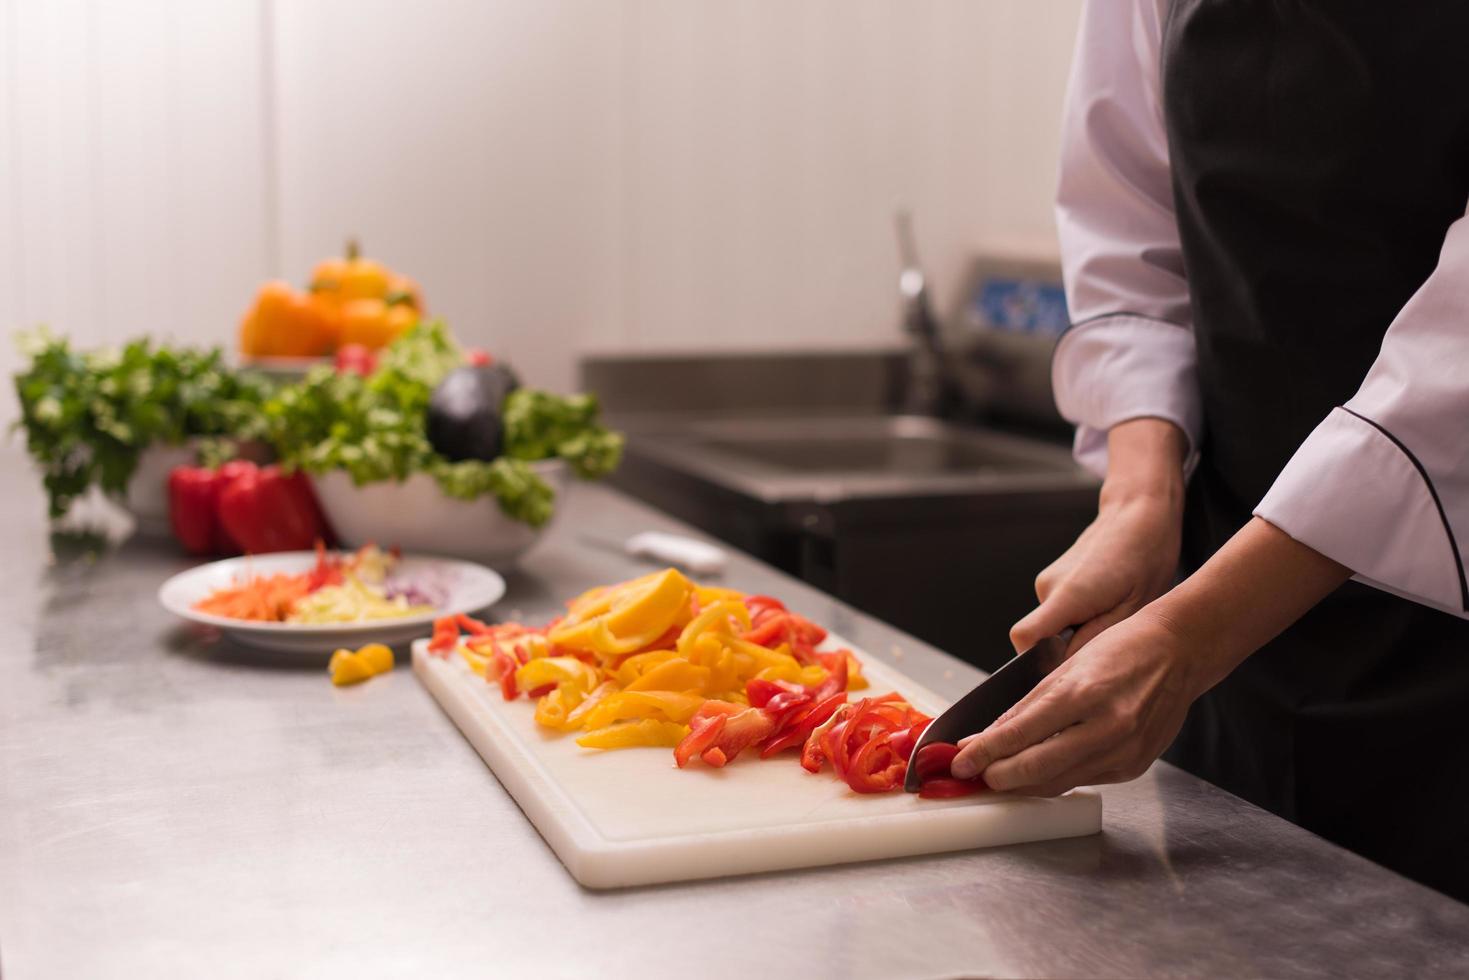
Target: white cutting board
[{"x": 630, "y": 817}]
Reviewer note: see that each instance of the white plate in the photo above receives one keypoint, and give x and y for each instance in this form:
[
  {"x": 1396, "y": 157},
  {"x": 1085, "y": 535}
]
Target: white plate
[{"x": 471, "y": 587}]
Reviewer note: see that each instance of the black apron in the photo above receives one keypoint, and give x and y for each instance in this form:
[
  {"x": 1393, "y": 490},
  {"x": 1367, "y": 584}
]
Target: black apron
[{"x": 1320, "y": 151}]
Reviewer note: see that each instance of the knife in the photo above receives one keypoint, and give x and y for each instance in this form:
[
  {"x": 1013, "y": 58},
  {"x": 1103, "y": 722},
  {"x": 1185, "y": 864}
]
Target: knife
[{"x": 994, "y": 695}]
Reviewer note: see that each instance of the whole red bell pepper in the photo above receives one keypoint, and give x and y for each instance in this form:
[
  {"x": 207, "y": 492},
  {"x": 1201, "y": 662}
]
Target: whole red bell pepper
[
  {"x": 193, "y": 508},
  {"x": 268, "y": 510}
]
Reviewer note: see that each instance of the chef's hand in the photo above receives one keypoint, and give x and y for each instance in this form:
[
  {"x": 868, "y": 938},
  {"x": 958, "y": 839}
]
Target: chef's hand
[
  {"x": 1106, "y": 713},
  {"x": 1128, "y": 556},
  {"x": 1102, "y": 716}
]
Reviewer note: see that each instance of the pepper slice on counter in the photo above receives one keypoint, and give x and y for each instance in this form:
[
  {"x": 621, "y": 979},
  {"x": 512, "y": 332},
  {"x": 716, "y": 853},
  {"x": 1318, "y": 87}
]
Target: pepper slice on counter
[{"x": 349, "y": 667}]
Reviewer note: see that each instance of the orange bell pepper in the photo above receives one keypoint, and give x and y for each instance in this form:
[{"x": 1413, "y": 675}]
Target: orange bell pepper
[
  {"x": 374, "y": 323},
  {"x": 352, "y": 277},
  {"x": 284, "y": 323}
]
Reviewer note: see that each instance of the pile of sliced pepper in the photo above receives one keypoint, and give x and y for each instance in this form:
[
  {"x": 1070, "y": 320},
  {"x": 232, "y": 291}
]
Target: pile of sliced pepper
[{"x": 710, "y": 673}]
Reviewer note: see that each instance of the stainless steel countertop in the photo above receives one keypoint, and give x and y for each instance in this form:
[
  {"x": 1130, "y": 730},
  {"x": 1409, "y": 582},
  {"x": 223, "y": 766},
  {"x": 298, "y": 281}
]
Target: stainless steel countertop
[{"x": 172, "y": 806}]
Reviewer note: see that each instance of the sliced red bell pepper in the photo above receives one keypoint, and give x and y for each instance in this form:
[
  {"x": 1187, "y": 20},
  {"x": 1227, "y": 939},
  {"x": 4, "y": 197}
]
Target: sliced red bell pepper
[
  {"x": 877, "y": 767},
  {"x": 934, "y": 761},
  {"x": 813, "y": 752},
  {"x": 702, "y": 733},
  {"x": 761, "y": 606},
  {"x": 836, "y": 676},
  {"x": 761, "y": 691},
  {"x": 471, "y": 625},
  {"x": 798, "y": 728},
  {"x": 505, "y": 664},
  {"x": 947, "y": 788},
  {"x": 446, "y": 636},
  {"x": 739, "y": 732},
  {"x": 936, "y": 782}
]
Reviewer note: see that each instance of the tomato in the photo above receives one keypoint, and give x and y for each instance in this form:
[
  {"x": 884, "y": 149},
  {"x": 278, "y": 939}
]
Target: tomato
[{"x": 355, "y": 358}]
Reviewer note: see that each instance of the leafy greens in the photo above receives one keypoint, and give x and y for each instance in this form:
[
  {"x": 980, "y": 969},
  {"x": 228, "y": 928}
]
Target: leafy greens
[
  {"x": 375, "y": 428},
  {"x": 88, "y": 416}
]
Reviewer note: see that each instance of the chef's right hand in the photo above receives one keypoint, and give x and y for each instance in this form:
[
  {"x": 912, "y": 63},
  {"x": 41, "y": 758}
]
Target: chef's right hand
[{"x": 1128, "y": 556}]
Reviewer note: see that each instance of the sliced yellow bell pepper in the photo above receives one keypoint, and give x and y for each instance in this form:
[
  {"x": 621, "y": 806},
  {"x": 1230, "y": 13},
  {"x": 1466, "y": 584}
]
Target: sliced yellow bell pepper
[
  {"x": 378, "y": 656},
  {"x": 554, "y": 709},
  {"x": 575, "y": 717},
  {"x": 710, "y": 594},
  {"x": 640, "y": 663},
  {"x": 648, "y": 732},
  {"x": 673, "y": 675},
  {"x": 715, "y": 619},
  {"x": 347, "y": 667},
  {"x": 477, "y": 662},
  {"x": 623, "y": 705},
  {"x": 561, "y": 671},
  {"x": 652, "y": 608},
  {"x": 627, "y": 618}
]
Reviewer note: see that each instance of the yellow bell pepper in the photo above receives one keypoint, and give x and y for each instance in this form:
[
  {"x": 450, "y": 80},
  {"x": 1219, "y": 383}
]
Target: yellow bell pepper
[
  {"x": 599, "y": 693},
  {"x": 349, "y": 667},
  {"x": 715, "y": 619},
  {"x": 477, "y": 661},
  {"x": 627, "y": 618},
  {"x": 673, "y": 675},
  {"x": 378, "y": 656},
  {"x": 640, "y": 663},
  {"x": 554, "y": 709},
  {"x": 561, "y": 671},
  {"x": 648, "y": 732},
  {"x": 669, "y": 705},
  {"x": 710, "y": 594}
]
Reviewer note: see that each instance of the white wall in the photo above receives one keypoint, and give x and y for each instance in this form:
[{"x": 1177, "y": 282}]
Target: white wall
[{"x": 561, "y": 175}]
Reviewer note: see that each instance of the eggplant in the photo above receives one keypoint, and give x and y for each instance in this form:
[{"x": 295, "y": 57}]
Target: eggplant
[{"x": 464, "y": 412}]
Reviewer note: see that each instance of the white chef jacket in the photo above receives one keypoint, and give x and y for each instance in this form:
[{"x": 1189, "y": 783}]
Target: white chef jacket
[{"x": 1382, "y": 484}]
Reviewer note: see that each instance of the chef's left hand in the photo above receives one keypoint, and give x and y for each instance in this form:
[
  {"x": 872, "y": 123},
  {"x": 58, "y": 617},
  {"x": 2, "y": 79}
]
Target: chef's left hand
[{"x": 1103, "y": 716}]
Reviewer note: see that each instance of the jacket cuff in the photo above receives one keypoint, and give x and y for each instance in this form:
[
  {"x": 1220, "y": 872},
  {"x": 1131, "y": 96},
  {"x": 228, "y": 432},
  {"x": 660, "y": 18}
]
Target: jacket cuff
[
  {"x": 1358, "y": 496},
  {"x": 1124, "y": 366}
]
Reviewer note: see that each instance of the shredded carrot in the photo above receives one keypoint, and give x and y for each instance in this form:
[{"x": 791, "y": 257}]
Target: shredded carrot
[
  {"x": 261, "y": 598},
  {"x": 272, "y": 598}
]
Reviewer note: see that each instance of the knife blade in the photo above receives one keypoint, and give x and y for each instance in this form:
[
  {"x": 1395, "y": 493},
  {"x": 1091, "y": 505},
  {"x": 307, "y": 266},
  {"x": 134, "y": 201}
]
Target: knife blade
[{"x": 992, "y": 697}]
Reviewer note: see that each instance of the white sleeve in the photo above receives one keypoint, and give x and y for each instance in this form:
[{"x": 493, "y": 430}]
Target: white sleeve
[
  {"x": 1130, "y": 351},
  {"x": 1382, "y": 484}
]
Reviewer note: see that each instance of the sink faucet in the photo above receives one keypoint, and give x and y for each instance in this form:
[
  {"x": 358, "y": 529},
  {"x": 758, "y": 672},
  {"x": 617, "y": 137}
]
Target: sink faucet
[{"x": 927, "y": 384}]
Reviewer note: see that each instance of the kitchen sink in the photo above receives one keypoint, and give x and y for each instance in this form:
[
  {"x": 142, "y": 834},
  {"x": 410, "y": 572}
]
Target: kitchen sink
[
  {"x": 870, "y": 458},
  {"x": 936, "y": 527},
  {"x": 913, "y": 454}
]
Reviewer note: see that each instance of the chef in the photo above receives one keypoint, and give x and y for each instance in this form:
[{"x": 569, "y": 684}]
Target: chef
[{"x": 1262, "y": 223}]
